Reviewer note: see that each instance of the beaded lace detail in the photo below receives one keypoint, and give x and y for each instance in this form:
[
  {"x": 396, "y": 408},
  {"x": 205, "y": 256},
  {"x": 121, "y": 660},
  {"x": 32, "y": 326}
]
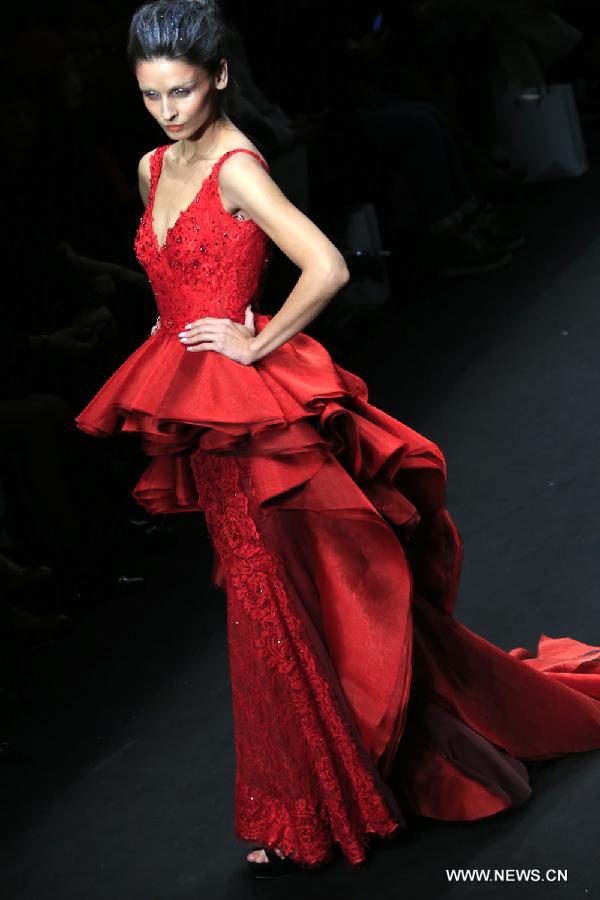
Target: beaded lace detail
[
  {"x": 191, "y": 272},
  {"x": 300, "y": 782}
]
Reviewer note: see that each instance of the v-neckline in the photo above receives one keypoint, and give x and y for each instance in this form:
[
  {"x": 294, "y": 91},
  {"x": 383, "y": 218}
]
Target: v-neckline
[{"x": 161, "y": 247}]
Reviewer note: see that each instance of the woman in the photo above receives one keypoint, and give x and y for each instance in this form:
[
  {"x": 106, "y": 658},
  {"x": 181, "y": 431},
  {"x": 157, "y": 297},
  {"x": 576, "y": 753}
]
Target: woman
[{"x": 338, "y": 557}]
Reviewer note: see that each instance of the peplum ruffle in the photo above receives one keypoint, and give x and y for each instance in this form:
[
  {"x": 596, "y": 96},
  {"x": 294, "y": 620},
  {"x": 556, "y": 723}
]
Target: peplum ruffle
[{"x": 295, "y": 406}]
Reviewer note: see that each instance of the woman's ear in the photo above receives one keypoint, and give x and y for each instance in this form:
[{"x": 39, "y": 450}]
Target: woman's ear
[{"x": 222, "y": 75}]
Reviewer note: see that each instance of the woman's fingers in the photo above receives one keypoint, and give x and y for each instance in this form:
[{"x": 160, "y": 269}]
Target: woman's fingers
[
  {"x": 207, "y": 320},
  {"x": 208, "y": 325},
  {"x": 221, "y": 335},
  {"x": 202, "y": 329},
  {"x": 205, "y": 345},
  {"x": 249, "y": 319}
]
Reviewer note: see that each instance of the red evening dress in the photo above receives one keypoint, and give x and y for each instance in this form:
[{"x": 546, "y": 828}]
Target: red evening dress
[{"x": 357, "y": 695}]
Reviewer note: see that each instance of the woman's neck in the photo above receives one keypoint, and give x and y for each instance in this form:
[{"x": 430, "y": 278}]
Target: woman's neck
[{"x": 206, "y": 143}]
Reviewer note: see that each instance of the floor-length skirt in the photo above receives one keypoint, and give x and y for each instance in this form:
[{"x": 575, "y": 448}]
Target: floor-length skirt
[{"x": 357, "y": 696}]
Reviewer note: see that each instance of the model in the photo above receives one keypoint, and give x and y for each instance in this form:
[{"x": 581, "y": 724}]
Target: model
[{"x": 357, "y": 696}]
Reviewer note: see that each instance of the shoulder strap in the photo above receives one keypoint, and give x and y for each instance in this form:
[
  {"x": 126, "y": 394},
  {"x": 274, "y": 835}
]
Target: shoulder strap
[
  {"x": 225, "y": 156},
  {"x": 156, "y": 162}
]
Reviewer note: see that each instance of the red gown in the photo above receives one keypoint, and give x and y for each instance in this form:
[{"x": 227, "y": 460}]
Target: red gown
[{"x": 357, "y": 695}]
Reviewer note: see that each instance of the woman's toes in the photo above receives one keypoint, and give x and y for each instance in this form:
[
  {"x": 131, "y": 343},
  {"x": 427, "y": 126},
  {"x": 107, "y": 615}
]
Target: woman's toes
[{"x": 261, "y": 857}]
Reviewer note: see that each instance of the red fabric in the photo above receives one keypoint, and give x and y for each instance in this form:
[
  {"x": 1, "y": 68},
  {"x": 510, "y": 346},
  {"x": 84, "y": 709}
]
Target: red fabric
[
  {"x": 303, "y": 777},
  {"x": 357, "y": 696}
]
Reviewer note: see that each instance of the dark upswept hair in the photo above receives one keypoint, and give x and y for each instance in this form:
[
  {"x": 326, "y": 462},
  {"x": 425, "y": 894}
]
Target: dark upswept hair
[{"x": 190, "y": 30}]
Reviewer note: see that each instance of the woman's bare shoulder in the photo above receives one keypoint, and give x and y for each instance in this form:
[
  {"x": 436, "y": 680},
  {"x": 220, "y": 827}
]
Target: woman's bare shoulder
[
  {"x": 144, "y": 163},
  {"x": 240, "y": 141},
  {"x": 144, "y": 175}
]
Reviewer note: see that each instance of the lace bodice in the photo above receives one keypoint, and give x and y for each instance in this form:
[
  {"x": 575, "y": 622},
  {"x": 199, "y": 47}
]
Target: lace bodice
[{"x": 211, "y": 263}]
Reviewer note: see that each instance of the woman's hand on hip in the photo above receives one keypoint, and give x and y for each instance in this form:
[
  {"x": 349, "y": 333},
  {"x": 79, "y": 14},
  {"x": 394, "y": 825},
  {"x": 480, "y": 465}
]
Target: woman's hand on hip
[{"x": 232, "y": 339}]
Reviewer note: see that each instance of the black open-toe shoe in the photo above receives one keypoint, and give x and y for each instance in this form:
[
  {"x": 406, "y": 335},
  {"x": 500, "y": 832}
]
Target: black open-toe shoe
[{"x": 276, "y": 865}]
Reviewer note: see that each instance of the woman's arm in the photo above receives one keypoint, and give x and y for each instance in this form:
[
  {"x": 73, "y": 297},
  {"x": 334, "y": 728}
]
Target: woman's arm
[{"x": 246, "y": 185}]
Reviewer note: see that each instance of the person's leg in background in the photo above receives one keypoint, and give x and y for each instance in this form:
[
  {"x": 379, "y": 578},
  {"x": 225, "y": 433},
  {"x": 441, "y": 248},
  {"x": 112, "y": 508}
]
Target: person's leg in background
[{"x": 478, "y": 215}]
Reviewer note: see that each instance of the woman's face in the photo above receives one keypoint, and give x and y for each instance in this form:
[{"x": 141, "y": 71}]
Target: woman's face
[{"x": 179, "y": 95}]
